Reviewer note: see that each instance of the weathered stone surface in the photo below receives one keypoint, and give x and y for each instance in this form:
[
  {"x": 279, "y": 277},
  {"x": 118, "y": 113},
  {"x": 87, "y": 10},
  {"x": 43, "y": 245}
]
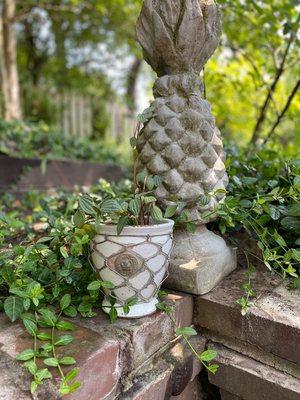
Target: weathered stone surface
[
  {"x": 13, "y": 380},
  {"x": 178, "y": 36},
  {"x": 169, "y": 373},
  {"x": 64, "y": 174},
  {"x": 180, "y": 141},
  {"x": 258, "y": 354},
  {"x": 185, "y": 365},
  {"x": 199, "y": 261},
  {"x": 272, "y": 323},
  {"x": 250, "y": 379},
  {"x": 229, "y": 396},
  {"x": 154, "y": 384},
  {"x": 191, "y": 392}
]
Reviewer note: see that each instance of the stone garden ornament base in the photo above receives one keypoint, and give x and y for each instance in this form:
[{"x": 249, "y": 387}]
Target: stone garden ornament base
[
  {"x": 136, "y": 262},
  {"x": 199, "y": 261},
  {"x": 181, "y": 142}
]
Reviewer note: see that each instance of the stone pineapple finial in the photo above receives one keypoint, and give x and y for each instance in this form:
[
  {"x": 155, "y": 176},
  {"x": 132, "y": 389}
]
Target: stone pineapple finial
[
  {"x": 178, "y": 35},
  {"x": 180, "y": 142}
]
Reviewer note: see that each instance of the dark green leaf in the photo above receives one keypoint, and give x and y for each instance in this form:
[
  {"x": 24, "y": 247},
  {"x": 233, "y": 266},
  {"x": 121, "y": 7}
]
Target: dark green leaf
[
  {"x": 65, "y": 301},
  {"x": 13, "y": 307}
]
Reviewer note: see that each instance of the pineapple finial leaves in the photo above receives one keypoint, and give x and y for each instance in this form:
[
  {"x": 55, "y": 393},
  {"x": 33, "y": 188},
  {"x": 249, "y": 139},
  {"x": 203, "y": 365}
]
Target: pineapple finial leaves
[{"x": 178, "y": 35}]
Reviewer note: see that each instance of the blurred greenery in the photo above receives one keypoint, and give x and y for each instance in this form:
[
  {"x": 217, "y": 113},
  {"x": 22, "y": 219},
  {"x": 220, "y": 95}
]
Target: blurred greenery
[
  {"x": 68, "y": 45},
  {"x": 38, "y": 140}
]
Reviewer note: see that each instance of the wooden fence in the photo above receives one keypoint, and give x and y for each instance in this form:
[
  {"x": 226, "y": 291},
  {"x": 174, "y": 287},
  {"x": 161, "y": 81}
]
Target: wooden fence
[{"x": 76, "y": 117}]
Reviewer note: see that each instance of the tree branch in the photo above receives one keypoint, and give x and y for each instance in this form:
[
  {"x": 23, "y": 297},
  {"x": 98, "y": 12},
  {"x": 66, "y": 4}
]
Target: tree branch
[
  {"x": 283, "y": 112},
  {"x": 265, "y": 106}
]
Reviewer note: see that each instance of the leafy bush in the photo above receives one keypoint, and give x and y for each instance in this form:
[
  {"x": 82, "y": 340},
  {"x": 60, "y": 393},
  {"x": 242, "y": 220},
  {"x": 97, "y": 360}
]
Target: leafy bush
[
  {"x": 264, "y": 199},
  {"x": 38, "y": 140}
]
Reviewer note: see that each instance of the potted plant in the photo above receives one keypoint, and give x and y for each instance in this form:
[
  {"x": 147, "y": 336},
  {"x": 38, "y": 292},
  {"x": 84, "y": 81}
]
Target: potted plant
[{"x": 132, "y": 244}]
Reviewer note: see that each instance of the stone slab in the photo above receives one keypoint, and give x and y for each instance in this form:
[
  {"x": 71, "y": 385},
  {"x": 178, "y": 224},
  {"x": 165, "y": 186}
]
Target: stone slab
[
  {"x": 272, "y": 323},
  {"x": 250, "y": 379},
  {"x": 27, "y": 174}
]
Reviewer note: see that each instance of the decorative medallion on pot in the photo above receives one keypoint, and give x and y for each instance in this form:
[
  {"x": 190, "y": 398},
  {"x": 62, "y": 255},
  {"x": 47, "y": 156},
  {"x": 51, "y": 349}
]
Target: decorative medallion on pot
[{"x": 135, "y": 261}]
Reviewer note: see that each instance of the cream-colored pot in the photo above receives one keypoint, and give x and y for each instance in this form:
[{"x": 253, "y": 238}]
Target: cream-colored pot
[{"x": 136, "y": 262}]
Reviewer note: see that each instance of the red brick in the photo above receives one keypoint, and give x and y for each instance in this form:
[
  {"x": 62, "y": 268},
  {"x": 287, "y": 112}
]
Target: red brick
[{"x": 97, "y": 359}]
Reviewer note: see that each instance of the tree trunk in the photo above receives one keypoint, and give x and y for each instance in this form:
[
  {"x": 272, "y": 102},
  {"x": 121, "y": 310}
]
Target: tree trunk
[
  {"x": 131, "y": 83},
  {"x": 9, "y": 69}
]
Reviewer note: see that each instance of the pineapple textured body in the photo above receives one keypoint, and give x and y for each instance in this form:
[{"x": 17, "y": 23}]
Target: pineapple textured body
[{"x": 182, "y": 144}]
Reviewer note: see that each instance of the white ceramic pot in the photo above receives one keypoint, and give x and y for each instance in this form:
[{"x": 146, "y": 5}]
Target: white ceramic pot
[{"x": 136, "y": 262}]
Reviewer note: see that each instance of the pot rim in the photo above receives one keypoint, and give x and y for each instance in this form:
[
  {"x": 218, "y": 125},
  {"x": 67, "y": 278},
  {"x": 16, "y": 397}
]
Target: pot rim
[{"x": 161, "y": 228}]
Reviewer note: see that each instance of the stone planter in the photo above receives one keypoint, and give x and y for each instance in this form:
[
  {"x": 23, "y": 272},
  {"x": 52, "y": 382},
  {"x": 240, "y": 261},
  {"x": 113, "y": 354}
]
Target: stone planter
[{"x": 136, "y": 262}]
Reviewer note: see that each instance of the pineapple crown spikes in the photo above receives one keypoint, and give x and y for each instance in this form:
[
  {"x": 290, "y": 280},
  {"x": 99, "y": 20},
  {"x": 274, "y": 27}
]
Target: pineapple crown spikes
[{"x": 178, "y": 36}]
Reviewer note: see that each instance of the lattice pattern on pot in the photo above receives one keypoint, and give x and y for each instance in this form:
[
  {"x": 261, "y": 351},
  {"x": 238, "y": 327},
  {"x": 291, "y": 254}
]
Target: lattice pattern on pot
[{"x": 137, "y": 268}]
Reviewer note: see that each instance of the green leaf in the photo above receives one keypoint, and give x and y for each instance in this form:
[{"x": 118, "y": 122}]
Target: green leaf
[
  {"x": 113, "y": 315},
  {"x": 294, "y": 210},
  {"x": 26, "y": 355},
  {"x": 67, "y": 361},
  {"x": 44, "y": 239},
  {"x": 204, "y": 200},
  {"x": 107, "y": 285},
  {"x": 171, "y": 211},
  {"x": 133, "y": 142},
  {"x": 135, "y": 206},
  {"x": 275, "y": 213},
  {"x": 150, "y": 183},
  {"x": 31, "y": 366},
  {"x": 64, "y": 326},
  {"x": 65, "y": 301},
  {"x": 291, "y": 224},
  {"x": 296, "y": 254},
  {"x": 49, "y": 318},
  {"x": 44, "y": 336},
  {"x": 70, "y": 311},
  {"x": 30, "y": 326},
  {"x": 186, "y": 331},
  {"x": 123, "y": 221},
  {"x": 156, "y": 213},
  {"x": 63, "y": 252},
  {"x": 72, "y": 374},
  {"x": 86, "y": 204},
  {"x": 51, "y": 362},
  {"x": 64, "y": 340},
  {"x": 74, "y": 386},
  {"x": 213, "y": 368},
  {"x": 43, "y": 374},
  {"x": 110, "y": 205},
  {"x": 33, "y": 386},
  {"x": 64, "y": 389},
  {"x": 95, "y": 285},
  {"x": 79, "y": 219},
  {"x": 13, "y": 307},
  {"x": 208, "y": 355}
]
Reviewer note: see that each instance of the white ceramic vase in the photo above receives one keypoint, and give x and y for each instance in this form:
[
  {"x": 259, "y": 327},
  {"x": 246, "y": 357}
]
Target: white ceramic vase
[{"x": 136, "y": 262}]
